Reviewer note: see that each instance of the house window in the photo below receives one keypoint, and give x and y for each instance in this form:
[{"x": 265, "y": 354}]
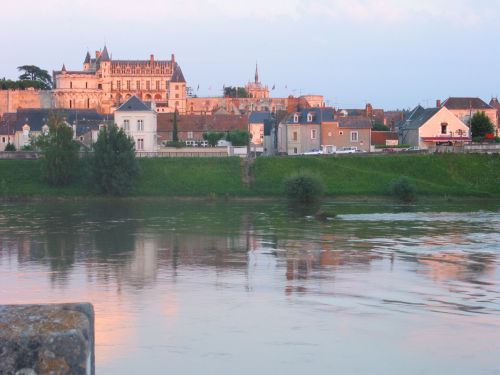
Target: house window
[
  {"x": 140, "y": 125},
  {"x": 140, "y": 144},
  {"x": 190, "y": 135},
  {"x": 444, "y": 128},
  {"x": 309, "y": 117},
  {"x": 126, "y": 125},
  {"x": 296, "y": 118},
  {"x": 295, "y": 136},
  {"x": 354, "y": 136},
  {"x": 313, "y": 133}
]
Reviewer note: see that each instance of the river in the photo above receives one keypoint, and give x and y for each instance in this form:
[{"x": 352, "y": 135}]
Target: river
[{"x": 189, "y": 287}]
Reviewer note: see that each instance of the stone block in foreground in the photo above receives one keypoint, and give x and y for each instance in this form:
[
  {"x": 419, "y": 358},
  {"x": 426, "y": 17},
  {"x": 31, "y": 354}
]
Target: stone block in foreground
[{"x": 47, "y": 339}]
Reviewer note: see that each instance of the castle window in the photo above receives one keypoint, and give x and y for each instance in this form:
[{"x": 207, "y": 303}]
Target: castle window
[
  {"x": 177, "y": 87},
  {"x": 111, "y": 86},
  {"x": 86, "y": 85},
  {"x": 128, "y": 85},
  {"x": 70, "y": 103},
  {"x": 99, "y": 86},
  {"x": 71, "y": 85},
  {"x": 138, "y": 85},
  {"x": 148, "y": 86},
  {"x": 176, "y": 104},
  {"x": 140, "y": 125},
  {"x": 176, "y": 96},
  {"x": 88, "y": 102},
  {"x": 158, "y": 85},
  {"x": 119, "y": 85}
]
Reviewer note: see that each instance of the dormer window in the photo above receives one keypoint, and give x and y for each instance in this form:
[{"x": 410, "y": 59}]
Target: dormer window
[
  {"x": 309, "y": 117},
  {"x": 296, "y": 118}
]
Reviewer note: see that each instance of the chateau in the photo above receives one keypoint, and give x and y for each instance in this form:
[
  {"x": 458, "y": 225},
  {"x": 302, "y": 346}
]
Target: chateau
[{"x": 104, "y": 83}]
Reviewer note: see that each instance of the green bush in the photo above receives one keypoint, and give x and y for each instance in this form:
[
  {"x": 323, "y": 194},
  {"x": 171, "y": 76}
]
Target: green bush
[
  {"x": 303, "y": 187},
  {"x": 114, "y": 167},
  {"x": 403, "y": 189},
  {"x": 176, "y": 144},
  {"x": 10, "y": 147}
]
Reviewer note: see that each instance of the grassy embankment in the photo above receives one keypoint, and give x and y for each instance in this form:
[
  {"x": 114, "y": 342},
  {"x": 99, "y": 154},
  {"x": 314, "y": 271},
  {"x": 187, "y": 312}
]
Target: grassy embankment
[{"x": 465, "y": 175}]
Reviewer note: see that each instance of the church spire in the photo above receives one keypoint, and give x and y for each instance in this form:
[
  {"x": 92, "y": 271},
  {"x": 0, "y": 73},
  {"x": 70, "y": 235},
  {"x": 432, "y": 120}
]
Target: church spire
[{"x": 256, "y": 73}]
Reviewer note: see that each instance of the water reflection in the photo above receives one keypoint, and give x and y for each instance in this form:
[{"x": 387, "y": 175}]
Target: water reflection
[{"x": 169, "y": 277}]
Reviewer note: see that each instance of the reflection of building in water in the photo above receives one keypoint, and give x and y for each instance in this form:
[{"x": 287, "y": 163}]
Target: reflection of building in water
[
  {"x": 143, "y": 266},
  {"x": 458, "y": 266}
]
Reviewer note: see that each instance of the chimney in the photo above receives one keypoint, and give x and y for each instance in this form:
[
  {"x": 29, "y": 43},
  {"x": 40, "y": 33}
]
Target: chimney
[
  {"x": 438, "y": 103},
  {"x": 173, "y": 59},
  {"x": 152, "y": 59}
]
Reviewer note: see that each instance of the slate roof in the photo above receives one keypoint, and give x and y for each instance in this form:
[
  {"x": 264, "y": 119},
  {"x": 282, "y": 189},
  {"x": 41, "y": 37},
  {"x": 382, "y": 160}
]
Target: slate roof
[
  {"x": 418, "y": 117},
  {"x": 355, "y": 122},
  {"x": 320, "y": 115},
  {"x": 177, "y": 76},
  {"x": 495, "y": 103},
  {"x": 465, "y": 103},
  {"x": 104, "y": 55},
  {"x": 259, "y": 117},
  {"x": 133, "y": 104},
  {"x": 202, "y": 123},
  {"x": 7, "y": 123},
  {"x": 37, "y": 118}
]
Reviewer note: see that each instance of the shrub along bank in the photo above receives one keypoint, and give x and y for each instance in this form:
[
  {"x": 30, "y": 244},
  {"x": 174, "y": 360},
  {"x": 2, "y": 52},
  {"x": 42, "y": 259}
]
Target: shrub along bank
[{"x": 465, "y": 175}]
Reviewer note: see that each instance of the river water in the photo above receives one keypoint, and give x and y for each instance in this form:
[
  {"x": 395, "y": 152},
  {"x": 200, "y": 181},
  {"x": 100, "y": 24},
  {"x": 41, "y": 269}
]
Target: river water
[{"x": 258, "y": 287}]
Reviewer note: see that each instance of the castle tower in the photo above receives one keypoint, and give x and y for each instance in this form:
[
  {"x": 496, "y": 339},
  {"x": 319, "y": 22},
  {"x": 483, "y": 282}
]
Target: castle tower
[
  {"x": 177, "y": 89},
  {"x": 86, "y": 62}
]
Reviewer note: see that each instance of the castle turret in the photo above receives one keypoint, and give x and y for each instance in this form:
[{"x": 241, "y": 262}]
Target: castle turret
[{"x": 86, "y": 63}]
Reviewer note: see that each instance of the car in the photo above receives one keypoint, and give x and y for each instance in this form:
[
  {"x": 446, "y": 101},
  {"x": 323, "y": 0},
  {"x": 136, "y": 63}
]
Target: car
[
  {"x": 347, "y": 150},
  {"x": 191, "y": 143},
  {"x": 313, "y": 152},
  {"x": 204, "y": 143}
]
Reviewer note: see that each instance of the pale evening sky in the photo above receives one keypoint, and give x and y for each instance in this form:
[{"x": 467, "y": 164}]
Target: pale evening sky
[{"x": 392, "y": 53}]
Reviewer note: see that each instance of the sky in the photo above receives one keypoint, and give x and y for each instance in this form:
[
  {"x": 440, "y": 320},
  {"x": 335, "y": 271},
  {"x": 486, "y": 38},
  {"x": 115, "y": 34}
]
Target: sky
[{"x": 391, "y": 53}]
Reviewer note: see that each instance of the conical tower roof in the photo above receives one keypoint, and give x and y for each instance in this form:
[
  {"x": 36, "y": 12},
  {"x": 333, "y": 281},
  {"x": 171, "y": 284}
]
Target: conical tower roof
[
  {"x": 87, "y": 58},
  {"x": 104, "y": 55}
]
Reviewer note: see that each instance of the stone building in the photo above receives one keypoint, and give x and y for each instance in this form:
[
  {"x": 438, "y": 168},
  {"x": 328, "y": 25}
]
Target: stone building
[{"x": 104, "y": 83}]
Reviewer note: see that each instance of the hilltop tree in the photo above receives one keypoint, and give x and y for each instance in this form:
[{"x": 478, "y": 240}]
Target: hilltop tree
[
  {"x": 235, "y": 92},
  {"x": 34, "y": 73},
  {"x": 481, "y": 125},
  {"x": 114, "y": 167}
]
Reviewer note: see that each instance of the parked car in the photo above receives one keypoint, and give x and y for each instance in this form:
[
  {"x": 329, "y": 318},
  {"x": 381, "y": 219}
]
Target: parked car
[
  {"x": 203, "y": 143},
  {"x": 191, "y": 143},
  {"x": 389, "y": 150},
  {"x": 347, "y": 150},
  {"x": 223, "y": 143},
  {"x": 313, "y": 152}
]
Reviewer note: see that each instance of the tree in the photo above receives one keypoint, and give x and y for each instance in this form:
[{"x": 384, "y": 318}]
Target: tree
[
  {"x": 481, "y": 125},
  {"x": 213, "y": 137},
  {"x": 34, "y": 73},
  {"x": 235, "y": 92},
  {"x": 380, "y": 127},
  {"x": 60, "y": 152},
  {"x": 10, "y": 147},
  {"x": 175, "y": 132},
  {"x": 114, "y": 167},
  {"x": 239, "y": 138}
]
